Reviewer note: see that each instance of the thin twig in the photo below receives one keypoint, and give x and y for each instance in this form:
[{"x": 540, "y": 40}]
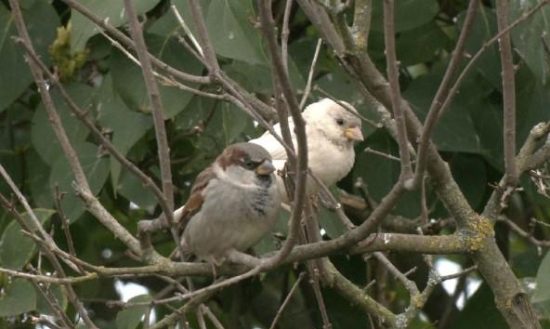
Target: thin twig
[
  {"x": 393, "y": 77},
  {"x": 526, "y": 159},
  {"x": 458, "y": 274},
  {"x": 155, "y": 101},
  {"x": 268, "y": 29},
  {"x": 81, "y": 181},
  {"x": 486, "y": 45},
  {"x": 47, "y": 242},
  {"x": 54, "y": 304},
  {"x": 285, "y": 32},
  {"x": 186, "y": 29},
  {"x": 49, "y": 279},
  {"x": 66, "y": 229},
  {"x": 204, "y": 39},
  {"x": 409, "y": 284},
  {"x": 444, "y": 92},
  {"x": 382, "y": 154},
  {"x": 286, "y": 301},
  {"x": 104, "y": 24},
  {"x": 508, "y": 94},
  {"x": 162, "y": 78},
  {"x": 156, "y": 105},
  {"x": 307, "y": 89},
  {"x": 524, "y": 234}
]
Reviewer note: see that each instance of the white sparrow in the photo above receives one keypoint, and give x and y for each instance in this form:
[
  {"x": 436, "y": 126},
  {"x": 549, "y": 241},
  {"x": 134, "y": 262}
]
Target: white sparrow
[
  {"x": 233, "y": 203},
  {"x": 331, "y": 132}
]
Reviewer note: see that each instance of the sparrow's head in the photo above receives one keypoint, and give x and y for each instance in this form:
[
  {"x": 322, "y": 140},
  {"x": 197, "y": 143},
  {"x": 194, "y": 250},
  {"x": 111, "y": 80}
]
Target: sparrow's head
[
  {"x": 246, "y": 160},
  {"x": 339, "y": 124}
]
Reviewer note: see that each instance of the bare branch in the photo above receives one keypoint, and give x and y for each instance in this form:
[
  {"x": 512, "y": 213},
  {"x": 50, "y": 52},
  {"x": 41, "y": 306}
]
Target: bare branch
[
  {"x": 526, "y": 15},
  {"x": 46, "y": 242},
  {"x": 204, "y": 39},
  {"x": 527, "y": 159},
  {"x": 299, "y": 125},
  {"x": 409, "y": 284},
  {"x": 49, "y": 279},
  {"x": 393, "y": 77},
  {"x": 100, "y": 22},
  {"x": 187, "y": 30},
  {"x": 70, "y": 153},
  {"x": 509, "y": 94},
  {"x": 287, "y": 298},
  {"x": 155, "y": 101},
  {"x": 362, "y": 16},
  {"x": 83, "y": 117},
  {"x": 285, "y": 32},
  {"x": 156, "y": 105},
  {"x": 443, "y": 92},
  {"x": 524, "y": 234},
  {"x": 307, "y": 89}
]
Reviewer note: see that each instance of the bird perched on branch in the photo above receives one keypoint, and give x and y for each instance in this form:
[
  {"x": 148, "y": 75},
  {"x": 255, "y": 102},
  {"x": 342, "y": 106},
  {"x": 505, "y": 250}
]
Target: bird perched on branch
[
  {"x": 233, "y": 203},
  {"x": 331, "y": 131}
]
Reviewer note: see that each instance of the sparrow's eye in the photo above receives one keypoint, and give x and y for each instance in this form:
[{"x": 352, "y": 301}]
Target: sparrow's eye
[
  {"x": 249, "y": 164},
  {"x": 340, "y": 121}
]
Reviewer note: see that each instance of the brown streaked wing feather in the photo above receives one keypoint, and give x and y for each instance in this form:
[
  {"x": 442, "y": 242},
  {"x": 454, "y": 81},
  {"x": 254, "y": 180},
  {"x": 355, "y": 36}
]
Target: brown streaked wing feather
[{"x": 194, "y": 203}]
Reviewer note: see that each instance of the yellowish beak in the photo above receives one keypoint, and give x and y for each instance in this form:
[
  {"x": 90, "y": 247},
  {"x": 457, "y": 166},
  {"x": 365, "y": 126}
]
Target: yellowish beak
[
  {"x": 265, "y": 168},
  {"x": 353, "y": 133}
]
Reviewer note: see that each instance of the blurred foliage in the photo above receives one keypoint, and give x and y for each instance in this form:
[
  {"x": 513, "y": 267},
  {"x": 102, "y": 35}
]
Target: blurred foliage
[{"x": 109, "y": 86}]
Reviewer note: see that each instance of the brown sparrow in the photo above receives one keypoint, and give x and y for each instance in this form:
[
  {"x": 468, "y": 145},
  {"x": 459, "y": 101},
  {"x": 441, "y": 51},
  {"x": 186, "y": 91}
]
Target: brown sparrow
[
  {"x": 233, "y": 203},
  {"x": 331, "y": 132}
]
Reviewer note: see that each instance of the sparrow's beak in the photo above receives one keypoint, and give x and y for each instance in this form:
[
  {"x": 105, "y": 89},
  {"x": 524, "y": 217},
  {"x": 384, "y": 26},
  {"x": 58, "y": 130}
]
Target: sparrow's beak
[
  {"x": 353, "y": 133},
  {"x": 265, "y": 168}
]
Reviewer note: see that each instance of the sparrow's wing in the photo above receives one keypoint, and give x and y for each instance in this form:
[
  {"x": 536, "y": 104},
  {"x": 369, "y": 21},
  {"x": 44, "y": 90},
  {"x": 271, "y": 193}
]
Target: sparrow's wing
[
  {"x": 271, "y": 144},
  {"x": 196, "y": 199}
]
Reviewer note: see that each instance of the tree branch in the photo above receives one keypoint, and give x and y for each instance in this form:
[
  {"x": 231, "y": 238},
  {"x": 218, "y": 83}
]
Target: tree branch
[
  {"x": 393, "y": 77},
  {"x": 268, "y": 29},
  {"x": 509, "y": 94},
  {"x": 443, "y": 92}
]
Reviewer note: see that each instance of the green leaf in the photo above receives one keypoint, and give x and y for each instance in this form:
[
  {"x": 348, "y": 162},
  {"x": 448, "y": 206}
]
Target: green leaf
[
  {"x": 528, "y": 36},
  {"x": 542, "y": 290},
  {"x": 18, "y": 297},
  {"x": 115, "y": 116},
  {"x": 252, "y": 77},
  {"x": 38, "y": 184},
  {"x": 43, "y": 137},
  {"x": 331, "y": 223},
  {"x": 128, "y": 80},
  {"x": 480, "y": 312},
  {"x": 131, "y": 317},
  {"x": 17, "y": 248},
  {"x": 133, "y": 190},
  {"x": 455, "y": 130},
  {"x": 230, "y": 28},
  {"x": 270, "y": 242},
  {"x": 483, "y": 29},
  {"x": 430, "y": 36},
  {"x": 235, "y": 121},
  {"x": 229, "y": 25},
  {"x": 42, "y": 21},
  {"x": 409, "y": 14},
  {"x": 60, "y": 295},
  {"x": 381, "y": 173},
  {"x": 96, "y": 168},
  {"x": 470, "y": 173},
  {"x": 490, "y": 136},
  {"x": 533, "y": 102},
  {"x": 111, "y": 11}
]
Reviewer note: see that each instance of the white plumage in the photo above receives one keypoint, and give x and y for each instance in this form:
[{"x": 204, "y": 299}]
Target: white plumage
[{"x": 331, "y": 132}]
